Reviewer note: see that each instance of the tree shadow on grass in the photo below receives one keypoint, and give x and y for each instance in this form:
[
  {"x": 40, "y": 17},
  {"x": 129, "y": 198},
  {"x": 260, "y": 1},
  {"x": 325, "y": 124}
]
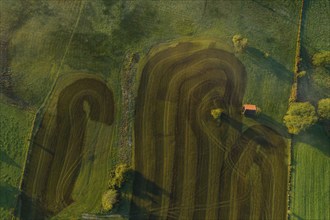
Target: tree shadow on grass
[
  {"x": 146, "y": 190},
  {"x": 6, "y": 159},
  {"x": 317, "y": 137},
  {"x": 232, "y": 122},
  {"x": 296, "y": 217},
  {"x": 29, "y": 209},
  {"x": 270, "y": 122},
  {"x": 262, "y": 119},
  {"x": 304, "y": 16},
  {"x": 136, "y": 189},
  {"x": 8, "y": 195},
  {"x": 305, "y": 90},
  {"x": 269, "y": 63},
  {"x": 308, "y": 89}
]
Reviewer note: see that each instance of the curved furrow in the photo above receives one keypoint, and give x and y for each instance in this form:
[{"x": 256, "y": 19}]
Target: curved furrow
[
  {"x": 58, "y": 146},
  {"x": 177, "y": 146},
  {"x": 260, "y": 156}
]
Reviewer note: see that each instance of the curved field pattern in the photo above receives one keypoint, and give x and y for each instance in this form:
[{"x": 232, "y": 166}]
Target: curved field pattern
[
  {"x": 58, "y": 155},
  {"x": 189, "y": 167},
  {"x": 260, "y": 175}
]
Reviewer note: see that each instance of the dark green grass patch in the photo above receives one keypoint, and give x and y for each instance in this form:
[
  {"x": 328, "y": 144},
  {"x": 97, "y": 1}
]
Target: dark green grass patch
[
  {"x": 315, "y": 39},
  {"x": 311, "y": 174},
  {"x": 60, "y": 166},
  {"x": 15, "y": 125}
]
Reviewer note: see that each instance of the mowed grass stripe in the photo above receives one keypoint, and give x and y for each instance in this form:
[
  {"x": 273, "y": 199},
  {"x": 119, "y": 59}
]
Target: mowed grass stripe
[
  {"x": 150, "y": 112},
  {"x": 204, "y": 191},
  {"x": 262, "y": 147},
  {"x": 164, "y": 88},
  {"x": 57, "y": 151}
]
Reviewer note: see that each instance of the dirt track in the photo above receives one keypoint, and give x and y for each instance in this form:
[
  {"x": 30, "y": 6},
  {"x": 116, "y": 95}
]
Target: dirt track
[
  {"x": 56, "y": 151},
  {"x": 184, "y": 162}
]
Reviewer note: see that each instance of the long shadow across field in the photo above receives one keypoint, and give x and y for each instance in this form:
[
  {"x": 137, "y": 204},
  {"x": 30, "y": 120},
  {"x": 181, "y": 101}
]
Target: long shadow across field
[
  {"x": 8, "y": 194},
  {"x": 269, "y": 63},
  {"x": 266, "y": 120},
  {"x": 261, "y": 119},
  {"x": 32, "y": 208},
  {"x": 317, "y": 137},
  {"x": 151, "y": 192},
  {"x": 4, "y": 157}
]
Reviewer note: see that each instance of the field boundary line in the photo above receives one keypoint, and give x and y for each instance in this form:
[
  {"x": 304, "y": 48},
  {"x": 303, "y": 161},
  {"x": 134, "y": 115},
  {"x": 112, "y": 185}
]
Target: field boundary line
[
  {"x": 40, "y": 111},
  {"x": 292, "y": 99},
  {"x": 294, "y": 89}
]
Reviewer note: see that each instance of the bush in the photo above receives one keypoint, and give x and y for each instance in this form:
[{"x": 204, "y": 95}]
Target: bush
[
  {"x": 321, "y": 77},
  {"x": 119, "y": 176},
  {"x": 109, "y": 199},
  {"x": 299, "y": 117},
  {"x": 301, "y": 74},
  {"x": 240, "y": 43},
  {"x": 322, "y": 58},
  {"x": 216, "y": 113},
  {"x": 323, "y": 108},
  {"x": 258, "y": 112}
]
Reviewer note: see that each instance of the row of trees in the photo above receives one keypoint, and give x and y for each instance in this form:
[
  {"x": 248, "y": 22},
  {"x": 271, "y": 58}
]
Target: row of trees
[
  {"x": 118, "y": 177},
  {"x": 302, "y": 115}
]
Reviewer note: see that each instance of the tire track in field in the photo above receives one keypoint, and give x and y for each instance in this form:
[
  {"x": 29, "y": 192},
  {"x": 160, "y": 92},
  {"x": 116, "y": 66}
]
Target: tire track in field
[
  {"x": 57, "y": 149},
  {"x": 263, "y": 151},
  {"x": 174, "y": 151},
  {"x": 188, "y": 167}
]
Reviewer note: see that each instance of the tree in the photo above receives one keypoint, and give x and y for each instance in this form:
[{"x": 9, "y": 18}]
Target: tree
[
  {"x": 321, "y": 78},
  {"x": 301, "y": 74},
  {"x": 240, "y": 43},
  {"x": 321, "y": 58},
  {"x": 258, "y": 111},
  {"x": 119, "y": 176},
  {"x": 323, "y": 108},
  {"x": 299, "y": 117},
  {"x": 109, "y": 198},
  {"x": 216, "y": 113}
]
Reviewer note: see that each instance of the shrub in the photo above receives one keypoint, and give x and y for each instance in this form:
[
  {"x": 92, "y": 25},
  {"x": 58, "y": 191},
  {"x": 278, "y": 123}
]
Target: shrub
[
  {"x": 322, "y": 58},
  {"x": 258, "y": 112},
  {"x": 299, "y": 117},
  {"x": 216, "y": 113},
  {"x": 321, "y": 77},
  {"x": 323, "y": 108},
  {"x": 109, "y": 199},
  {"x": 240, "y": 43},
  {"x": 301, "y": 74},
  {"x": 119, "y": 176}
]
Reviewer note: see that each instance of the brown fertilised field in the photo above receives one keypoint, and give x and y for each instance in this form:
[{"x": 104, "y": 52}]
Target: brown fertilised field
[
  {"x": 58, "y": 157},
  {"x": 189, "y": 167}
]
